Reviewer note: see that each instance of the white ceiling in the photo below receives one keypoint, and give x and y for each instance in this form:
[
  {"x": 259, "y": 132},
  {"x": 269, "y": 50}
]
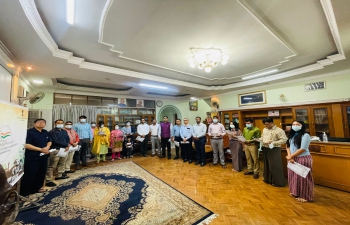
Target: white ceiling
[{"x": 116, "y": 44}]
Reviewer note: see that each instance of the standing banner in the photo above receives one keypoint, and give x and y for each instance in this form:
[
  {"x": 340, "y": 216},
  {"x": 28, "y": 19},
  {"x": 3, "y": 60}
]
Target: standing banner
[{"x": 13, "y": 131}]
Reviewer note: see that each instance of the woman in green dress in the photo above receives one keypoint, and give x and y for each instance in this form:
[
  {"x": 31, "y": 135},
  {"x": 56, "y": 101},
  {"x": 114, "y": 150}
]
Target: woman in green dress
[{"x": 101, "y": 141}]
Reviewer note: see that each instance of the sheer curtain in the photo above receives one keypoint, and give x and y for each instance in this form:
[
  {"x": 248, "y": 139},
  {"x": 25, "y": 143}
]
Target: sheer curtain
[{"x": 72, "y": 112}]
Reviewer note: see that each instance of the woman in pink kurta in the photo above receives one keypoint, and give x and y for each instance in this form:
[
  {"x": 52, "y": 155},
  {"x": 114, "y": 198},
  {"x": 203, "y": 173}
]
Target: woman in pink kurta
[{"x": 116, "y": 141}]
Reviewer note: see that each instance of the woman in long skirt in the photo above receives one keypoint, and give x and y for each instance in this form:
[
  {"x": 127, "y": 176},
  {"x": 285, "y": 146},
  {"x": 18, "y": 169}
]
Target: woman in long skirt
[
  {"x": 116, "y": 142},
  {"x": 101, "y": 141},
  {"x": 298, "y": 152},
  {"x": 235, "y": 147}
]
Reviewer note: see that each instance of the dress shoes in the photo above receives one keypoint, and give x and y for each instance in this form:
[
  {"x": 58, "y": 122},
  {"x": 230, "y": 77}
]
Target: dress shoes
[
  {"x": 202, "y": 164},
  {"x": 91, "y": 157},
  {"x": 197, "y": 162},
  {"x": 86, "y": 164},
  {"x": 153, "y": 155},
  {"x": 185, "y": 160},
  {"x": 176, "y": 157},
  {"x": 190, "y": 161},
  {"x": 61, "y": 178},
  {"x": 77, "y": 168},
  {"x": 161, "y": 156},
  {"x": 256, "y": 176},
  {"x": 50, "y": 184},
  {"x": 248, "y": 173},
  {"x": 70, "y": 171}
]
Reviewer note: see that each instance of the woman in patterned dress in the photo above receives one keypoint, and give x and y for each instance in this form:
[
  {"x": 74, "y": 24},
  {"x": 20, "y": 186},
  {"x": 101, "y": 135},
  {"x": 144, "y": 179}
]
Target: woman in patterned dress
[
  {"x": 235, "y": 147},
  {"x": 298, "y": 152},
  {"x": 116, "y": 142},
  {"x": 101, "y": 141}
]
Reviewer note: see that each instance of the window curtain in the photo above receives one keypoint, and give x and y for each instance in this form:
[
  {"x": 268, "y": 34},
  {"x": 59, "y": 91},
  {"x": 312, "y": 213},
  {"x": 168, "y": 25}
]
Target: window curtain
[{"x": 72, "y": 112}]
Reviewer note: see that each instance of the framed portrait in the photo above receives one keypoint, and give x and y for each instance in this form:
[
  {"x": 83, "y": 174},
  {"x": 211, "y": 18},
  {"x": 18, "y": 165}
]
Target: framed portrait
[
  {"x": 193, "y": 105},
  {"x": 273, "y": 113},
  {"x": 140, "y": 103},
  {"x": 253, "y": 98},
  {"x": 315, "y": 86},
  {"x": 122, "y": 102}
]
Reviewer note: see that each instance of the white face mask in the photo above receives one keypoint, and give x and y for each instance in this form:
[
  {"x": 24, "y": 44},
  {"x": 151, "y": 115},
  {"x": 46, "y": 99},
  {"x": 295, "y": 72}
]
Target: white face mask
[
  {"x": 116, "y": 127},
  {"x": 232, "y": 126},
  {"x": 248, "y": 125},
  {"x": 59, "y": 126},
  {"x": 296, "y": 128},
  {"x": 93, "y": 125},
  {"x": 68, "y": 126},
  {"x": 102, "y": 125},
  {"x": 83, "y": 120},
  {"x": 127, "y": 124},
  {"x": 215, "y": 120}
]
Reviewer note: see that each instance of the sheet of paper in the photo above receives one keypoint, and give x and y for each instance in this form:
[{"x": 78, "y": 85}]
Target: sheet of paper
[
  {"x": 177, "y": 143},
  {"x": 271, "y": 146},
  {"x": 51, "y": 150},
  {"x": 184, "y": 142},
  {"x": 140, "y": 139},
  {"x": 62, "y": 153},
  {"x": 241, "y": 138},
  {"x": 299, "y": 169},
  {"x": 74, "y": 149}
]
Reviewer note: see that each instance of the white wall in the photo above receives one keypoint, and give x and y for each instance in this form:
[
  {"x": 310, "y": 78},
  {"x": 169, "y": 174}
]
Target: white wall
[{"x": 5, "y": 85}]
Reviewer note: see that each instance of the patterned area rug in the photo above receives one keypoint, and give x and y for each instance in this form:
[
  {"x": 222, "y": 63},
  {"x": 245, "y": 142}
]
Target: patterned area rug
[{"x": 121, "y": 193}]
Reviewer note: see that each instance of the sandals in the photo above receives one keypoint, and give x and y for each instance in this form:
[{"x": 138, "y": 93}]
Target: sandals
[
  {"x": 112, "y": 160},
  {"x": 301, "y": 200},
  {"x": 43, "y": 190}
]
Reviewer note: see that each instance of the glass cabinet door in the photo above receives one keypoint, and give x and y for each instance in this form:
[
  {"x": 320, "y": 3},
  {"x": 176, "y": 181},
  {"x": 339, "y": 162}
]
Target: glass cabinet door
[
  {"x": 321, "y": 121},
  {"x": 226, "y": 120},
  {"x": 109, "y": 122},
  {"x": 303, "y": 115},
  {"x": 347, "y": 121}
]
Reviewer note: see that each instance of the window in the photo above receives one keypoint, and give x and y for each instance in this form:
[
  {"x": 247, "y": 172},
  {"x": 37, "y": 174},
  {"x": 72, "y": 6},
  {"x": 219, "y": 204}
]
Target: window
[
  {"x": 93, "y": 100},
  {"x": 63, "y": 99},
  {"x": 79, "y": 100}
]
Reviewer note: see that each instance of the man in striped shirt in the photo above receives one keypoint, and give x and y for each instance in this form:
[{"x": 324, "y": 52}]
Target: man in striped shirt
[{"x": 84, "y": 131}]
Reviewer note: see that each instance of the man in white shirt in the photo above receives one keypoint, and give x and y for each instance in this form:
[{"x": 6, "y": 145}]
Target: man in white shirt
[
  {"x": 143, "y": 131},
  {"x": 199, "y": 132},
  {"x": 217, "y": 131},
  {"x": 155, "y": 137}
]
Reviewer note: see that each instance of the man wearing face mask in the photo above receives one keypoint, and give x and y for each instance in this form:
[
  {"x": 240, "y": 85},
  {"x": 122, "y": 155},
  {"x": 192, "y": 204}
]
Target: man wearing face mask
[
  {"x": 60, "y": 139},
  {"x": 74, "y": 140},
  {"x": 216, "y": 131},
  {"x": 250, "y": 148},
  {"x": 129, "y": 132},
  {"x": 143, "y": 131},
  {"x": 165, "y": 133},
  {"x": 84, "y": 131},
  {"x": 154, "y": 128}
]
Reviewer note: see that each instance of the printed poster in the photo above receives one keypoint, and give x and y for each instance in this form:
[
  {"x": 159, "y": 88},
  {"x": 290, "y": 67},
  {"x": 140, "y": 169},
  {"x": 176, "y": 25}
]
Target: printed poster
[{"x": 13, "y": 131}]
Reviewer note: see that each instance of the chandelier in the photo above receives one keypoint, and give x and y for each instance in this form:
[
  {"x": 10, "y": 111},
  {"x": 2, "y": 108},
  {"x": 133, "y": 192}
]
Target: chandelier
[{"x": 207, "y": 58}]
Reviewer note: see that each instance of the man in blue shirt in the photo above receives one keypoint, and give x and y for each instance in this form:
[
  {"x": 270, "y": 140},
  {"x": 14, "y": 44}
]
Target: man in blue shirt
[
  {"x": 37, "y": 141},
  {"x": 186, "y": 142},
  {"x": 175, "y": 136},
  {"x": 84, "y": 131}
]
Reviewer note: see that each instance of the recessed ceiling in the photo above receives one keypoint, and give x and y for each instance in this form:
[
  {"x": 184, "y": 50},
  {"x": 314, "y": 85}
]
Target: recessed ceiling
[{"x": 148, "y": 41}]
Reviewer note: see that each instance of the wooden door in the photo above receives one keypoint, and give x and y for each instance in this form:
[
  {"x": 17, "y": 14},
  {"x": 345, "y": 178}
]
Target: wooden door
[
  {"x": 346, "y": 118},
  {"x": 322, "y": 120}
]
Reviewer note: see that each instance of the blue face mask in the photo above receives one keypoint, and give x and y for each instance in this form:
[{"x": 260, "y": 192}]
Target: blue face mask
[
  {"x": 296, "y": 128},
  {"x": 248, "y": 125}
]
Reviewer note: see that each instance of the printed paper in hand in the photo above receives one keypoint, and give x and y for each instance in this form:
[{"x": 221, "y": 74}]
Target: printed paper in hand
[
  {"x": 74, "y": 149},
  {"x": 51, "y": 150},
  {"x": 271, "y": 146},
  {"x": 185, "y": 142},
  {"x": 177, "y": 143},
  {"x": 241, "y": 138},
  {"x": 140, "y": 139},
  {"x": 62, "y": 153},
  {"x": 299, "y": 169}
]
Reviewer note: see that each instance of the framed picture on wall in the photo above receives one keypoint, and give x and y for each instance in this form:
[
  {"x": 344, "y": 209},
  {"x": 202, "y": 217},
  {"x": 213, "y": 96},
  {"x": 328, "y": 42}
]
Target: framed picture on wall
[
  {"x": 193, "y": 105},
  {"x": 315, "y": 86},
  {"x": 253, "y": 98},
  {"x": 140, "y": 103},
  {"x": 122, "y": 102}
]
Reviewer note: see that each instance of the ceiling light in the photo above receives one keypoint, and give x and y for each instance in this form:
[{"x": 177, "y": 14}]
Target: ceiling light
[
  {"x": 38, "y": 81},
  {"x": 153, "y": 86},
  {"x": 70, "y": 4},
  {"x": 29, "y": 67},
  {"x": 193, "y": 98},
  {"x": 259, "y": 74},
  {"x": 10, "y": 65},
  {"x": 207, "y": 58}
]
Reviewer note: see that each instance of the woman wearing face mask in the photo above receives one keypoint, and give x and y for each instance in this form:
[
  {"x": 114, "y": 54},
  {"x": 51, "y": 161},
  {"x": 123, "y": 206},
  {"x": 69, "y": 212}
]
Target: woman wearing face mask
[
  {"x": 101, "y": 141},
  {"x": 298, "y": 151},
  {"x": 235, "y": 147},
  {"x": 116, "y": 142},
  {"x": 129, "y": 132}
]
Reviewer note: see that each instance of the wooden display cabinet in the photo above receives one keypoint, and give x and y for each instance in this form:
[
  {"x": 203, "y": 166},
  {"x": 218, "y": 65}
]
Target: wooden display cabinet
[
  {"x": 108, "y": 119},
  {"x": 346, "y": 116},
  {"x": 228, "y": 117},
  {"x": 318, "y": 119}
]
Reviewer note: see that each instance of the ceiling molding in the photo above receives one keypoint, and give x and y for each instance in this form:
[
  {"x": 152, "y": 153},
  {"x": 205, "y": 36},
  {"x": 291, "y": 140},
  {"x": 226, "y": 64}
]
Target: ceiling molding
[
  {"x": 241, "y": 2},
  {"x": 33, "y": 16}
]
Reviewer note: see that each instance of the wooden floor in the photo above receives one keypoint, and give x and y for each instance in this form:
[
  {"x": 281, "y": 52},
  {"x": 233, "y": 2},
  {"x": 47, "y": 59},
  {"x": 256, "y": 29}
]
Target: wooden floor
[{"x": 239, "y": 199}]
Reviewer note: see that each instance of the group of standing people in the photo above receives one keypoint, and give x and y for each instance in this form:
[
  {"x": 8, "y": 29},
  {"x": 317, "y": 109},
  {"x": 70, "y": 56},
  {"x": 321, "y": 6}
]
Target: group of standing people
[
  {"x": 42, "y": 147},
  {"x": 270, "y": 141}
]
